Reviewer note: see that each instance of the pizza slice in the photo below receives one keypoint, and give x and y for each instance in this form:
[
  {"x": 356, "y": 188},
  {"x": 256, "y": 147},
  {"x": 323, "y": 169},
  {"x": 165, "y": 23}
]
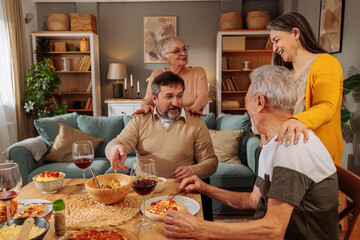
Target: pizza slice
[
  {"x": 158, "y": 209},
  {"x": 98, "y": 235}
]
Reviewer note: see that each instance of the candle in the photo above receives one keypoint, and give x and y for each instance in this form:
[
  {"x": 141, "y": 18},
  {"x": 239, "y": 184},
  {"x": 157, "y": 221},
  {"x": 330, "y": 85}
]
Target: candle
[
  {"x": 138, "y": 86},
  {"x": 208, "y": 87},
  {"x": 125, "y": 83},
  {"x": 131, "y": 81}
]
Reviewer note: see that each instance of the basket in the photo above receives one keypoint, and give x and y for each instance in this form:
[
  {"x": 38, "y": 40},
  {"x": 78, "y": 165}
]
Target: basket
[
  {"x": 231, "y": 20},
  {"x": 86, "y": 22},
  {"x": 257, "y": 19},
  {"x": 58, "y": 22}
]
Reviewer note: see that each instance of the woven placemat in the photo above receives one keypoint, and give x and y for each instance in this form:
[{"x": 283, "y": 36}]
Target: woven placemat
[{"x": 82, "y": 211}]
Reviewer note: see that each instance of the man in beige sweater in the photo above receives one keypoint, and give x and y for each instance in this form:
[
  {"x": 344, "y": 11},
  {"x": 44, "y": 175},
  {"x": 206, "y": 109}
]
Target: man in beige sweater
[{"x": 178, "y": 141}]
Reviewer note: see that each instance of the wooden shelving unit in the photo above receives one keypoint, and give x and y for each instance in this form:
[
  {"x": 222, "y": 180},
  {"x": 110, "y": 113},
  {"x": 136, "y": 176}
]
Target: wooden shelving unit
[
  {"x": 74, "y": 84},
  {"x": 256, "y": 51}
]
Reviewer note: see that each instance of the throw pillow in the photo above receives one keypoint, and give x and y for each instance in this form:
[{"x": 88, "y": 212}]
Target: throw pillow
[
  {"x": 226, "y": 145},
  {"x": 106, "y": 128},
  {"x": 235, "y": 122},
  {"x": 48, "y": 127},
  {"x": 61, "y": 150}
]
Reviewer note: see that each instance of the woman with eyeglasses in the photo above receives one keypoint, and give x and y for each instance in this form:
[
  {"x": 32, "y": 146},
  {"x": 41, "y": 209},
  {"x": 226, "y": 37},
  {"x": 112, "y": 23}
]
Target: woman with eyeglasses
[
  {"x": 175, "y": 53},
  {"x": 318, "y": 79}
]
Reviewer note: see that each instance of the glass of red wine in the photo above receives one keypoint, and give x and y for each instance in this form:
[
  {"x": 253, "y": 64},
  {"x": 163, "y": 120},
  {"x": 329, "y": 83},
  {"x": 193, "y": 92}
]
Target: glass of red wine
[
  {"x": 143, "y": 181},
  {"x": 83, "y": 156},
  {"x": 10, "y": 183}
]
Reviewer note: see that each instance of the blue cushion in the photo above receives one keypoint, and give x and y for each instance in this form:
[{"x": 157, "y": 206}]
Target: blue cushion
[
  {"x": 106, "y": 128},
  {"x": 48, "y": 127},
  {"x": 235, "y": 122},
  {"x": 209, "y": 120},
  {"x": 71, "y": 170},
  {"x": 230, "y": 175}
]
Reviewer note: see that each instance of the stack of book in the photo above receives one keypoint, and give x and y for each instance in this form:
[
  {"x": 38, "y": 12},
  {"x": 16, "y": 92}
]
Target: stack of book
[
  {"x": 89, "y": 103},
  {"x": 229, "y": 84},
  {"x": 84, "y": 64}
]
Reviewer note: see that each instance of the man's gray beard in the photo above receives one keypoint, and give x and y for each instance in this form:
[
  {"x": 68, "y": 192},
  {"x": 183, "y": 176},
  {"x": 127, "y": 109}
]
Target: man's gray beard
[
  {"x": 171, "y": 117},
  {"x": 253, "y": 128}
]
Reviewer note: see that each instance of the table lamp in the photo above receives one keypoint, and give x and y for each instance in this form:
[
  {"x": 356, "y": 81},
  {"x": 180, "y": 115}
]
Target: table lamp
[{"x": 117, "y": 71}]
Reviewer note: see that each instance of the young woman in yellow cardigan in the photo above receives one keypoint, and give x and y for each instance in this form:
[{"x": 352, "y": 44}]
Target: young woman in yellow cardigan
[{"x": 319, "y": 80}]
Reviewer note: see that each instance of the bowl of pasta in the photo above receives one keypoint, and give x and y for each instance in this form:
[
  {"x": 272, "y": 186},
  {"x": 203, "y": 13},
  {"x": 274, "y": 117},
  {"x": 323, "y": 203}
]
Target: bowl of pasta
[
  {"x": 113, "y": 188},
  {"x": 49, "y": 182}
]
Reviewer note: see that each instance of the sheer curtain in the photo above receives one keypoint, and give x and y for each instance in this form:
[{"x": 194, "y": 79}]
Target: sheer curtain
[{"x": 8, "y": 130}]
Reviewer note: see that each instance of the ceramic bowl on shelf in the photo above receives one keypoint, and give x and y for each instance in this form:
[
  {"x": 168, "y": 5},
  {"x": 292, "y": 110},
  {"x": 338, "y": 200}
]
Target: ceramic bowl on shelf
[
  {"x": 109, "y": 196},
  {"x": 160, "y": 184},
  {"x": 49, "y": 186}
]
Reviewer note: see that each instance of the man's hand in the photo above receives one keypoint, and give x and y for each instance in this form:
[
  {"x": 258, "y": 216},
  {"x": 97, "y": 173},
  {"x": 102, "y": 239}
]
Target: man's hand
[
  {"x": 145, "y": 108},
  {"x": 193, "y": 111},
  {"x": 118, "y": 159},
  {"x": 180, "y": 224},
  {"x": 287, "y": 130},
  {"x": 183, "y": 172},
  {"x": 193, "y": 184}
]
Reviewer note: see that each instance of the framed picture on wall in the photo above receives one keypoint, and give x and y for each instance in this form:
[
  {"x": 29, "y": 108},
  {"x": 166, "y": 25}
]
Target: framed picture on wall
[
  {"x": 331, "y": 25},
  {"x": 156, "y": 29}
]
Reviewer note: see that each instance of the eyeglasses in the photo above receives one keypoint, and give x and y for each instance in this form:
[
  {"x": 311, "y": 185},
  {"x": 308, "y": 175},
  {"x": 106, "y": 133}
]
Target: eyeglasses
[{"x": 178, "y": 51}]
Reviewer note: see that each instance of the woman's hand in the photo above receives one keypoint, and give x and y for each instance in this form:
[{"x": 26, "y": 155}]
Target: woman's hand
[
  {"x": 145, "y": 108},
  {"x": 288, "y": 128},
  {"x": 195, "y": 112}
]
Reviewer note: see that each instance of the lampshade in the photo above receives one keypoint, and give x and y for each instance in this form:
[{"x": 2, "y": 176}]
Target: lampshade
[{"x": 117, "y": 71}]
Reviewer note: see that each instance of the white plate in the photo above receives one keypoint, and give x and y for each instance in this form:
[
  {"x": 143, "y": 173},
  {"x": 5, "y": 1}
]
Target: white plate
[
  {"x": 190, "y": 204},
  {"x": 47, "y": 207}
]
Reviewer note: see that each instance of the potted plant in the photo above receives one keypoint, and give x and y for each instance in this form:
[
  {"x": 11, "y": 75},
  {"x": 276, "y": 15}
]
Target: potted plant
[
  {"x": 350, "y": 122},
  {"x": 41, "y": 80}
]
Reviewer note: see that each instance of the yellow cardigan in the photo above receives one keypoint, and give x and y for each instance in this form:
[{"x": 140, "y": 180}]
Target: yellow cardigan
[{"x": 323, "y": 103}]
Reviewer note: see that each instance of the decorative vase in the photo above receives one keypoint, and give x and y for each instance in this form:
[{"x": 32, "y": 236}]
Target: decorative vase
[{"x": 84, "y": 45}]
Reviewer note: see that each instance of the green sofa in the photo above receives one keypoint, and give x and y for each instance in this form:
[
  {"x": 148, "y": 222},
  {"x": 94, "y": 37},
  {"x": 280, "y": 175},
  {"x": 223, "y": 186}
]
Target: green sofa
[{"x": 235, "y": 177}]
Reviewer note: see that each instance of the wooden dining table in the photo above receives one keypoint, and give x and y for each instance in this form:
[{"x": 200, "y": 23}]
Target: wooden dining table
[{"x": 73, "y": 186}]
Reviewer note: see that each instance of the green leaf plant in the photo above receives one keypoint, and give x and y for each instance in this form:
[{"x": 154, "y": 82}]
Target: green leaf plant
[
  {"x": 41, "y": 80},
  {"x": 350, "y": 120}
]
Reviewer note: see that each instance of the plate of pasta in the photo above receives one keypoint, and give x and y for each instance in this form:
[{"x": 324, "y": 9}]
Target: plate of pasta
[{"x": 33, "y": 208}]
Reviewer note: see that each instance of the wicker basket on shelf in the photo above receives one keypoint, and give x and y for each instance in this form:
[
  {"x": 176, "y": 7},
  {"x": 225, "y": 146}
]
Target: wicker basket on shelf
[
  {"x": 57, "y": 22},
  {"x": 83, "y": 22}
]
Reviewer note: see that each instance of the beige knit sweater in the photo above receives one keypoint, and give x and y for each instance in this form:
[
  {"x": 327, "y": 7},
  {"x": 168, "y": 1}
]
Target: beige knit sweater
[{"x": 182, "y": 144}]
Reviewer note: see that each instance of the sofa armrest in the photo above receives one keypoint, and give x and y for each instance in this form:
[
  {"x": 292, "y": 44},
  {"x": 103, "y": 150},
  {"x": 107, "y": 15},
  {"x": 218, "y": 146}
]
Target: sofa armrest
[
  {"x": 252, "y": 152},
  {"x": 22, "y": 156}
]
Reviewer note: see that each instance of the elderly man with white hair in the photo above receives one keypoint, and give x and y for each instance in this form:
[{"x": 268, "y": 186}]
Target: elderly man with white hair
[{"x": 295, "y": 193}]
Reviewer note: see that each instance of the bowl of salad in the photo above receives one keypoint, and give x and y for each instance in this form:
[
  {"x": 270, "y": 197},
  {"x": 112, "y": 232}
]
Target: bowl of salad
[{"x": 113, "y": 188}]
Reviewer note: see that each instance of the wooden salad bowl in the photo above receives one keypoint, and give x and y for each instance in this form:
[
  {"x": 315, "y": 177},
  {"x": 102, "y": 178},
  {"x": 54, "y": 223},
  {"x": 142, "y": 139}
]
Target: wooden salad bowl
[{"x": 108, "y": 196}]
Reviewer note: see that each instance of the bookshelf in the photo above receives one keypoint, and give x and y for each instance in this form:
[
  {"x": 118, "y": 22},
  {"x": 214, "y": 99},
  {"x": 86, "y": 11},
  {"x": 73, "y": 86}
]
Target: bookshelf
[
  {"x": 232, "y": 80},
  {"x": 80, "y": 81}
]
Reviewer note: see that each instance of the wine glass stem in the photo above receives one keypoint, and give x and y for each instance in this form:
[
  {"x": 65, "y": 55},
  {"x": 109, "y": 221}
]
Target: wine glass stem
[
  {"x": 8, "y": 209},
  {"x": 143, "y": 219},
  {"x": 84, "y": 179}
]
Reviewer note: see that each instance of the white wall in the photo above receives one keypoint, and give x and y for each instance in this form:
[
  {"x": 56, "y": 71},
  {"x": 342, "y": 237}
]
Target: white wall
[{"x": 30, "y": 7}]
